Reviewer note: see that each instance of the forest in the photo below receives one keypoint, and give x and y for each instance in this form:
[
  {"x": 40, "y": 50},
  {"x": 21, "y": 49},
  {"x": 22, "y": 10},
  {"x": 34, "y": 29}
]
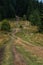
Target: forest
[{"x": 11, "y": 8}]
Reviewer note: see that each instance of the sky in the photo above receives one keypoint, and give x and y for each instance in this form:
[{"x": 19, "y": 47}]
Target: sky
[{"x": 40, "y": 0}]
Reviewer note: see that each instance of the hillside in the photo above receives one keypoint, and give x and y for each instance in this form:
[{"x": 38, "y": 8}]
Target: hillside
[{"x": 22, "y": 46}]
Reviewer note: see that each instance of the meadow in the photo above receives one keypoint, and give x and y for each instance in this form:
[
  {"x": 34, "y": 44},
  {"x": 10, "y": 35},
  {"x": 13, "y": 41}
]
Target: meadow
[{"x": 22, "y": 46}]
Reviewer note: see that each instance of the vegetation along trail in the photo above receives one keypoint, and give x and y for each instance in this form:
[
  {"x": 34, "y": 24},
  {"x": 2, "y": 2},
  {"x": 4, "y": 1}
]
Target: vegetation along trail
[
  {"x": 8, "y": 56},
  {"x": 26, "y": 53},
  {"x": 38, "y": 50},
  {"x": 11, "y": 56},
  {"x": 18, "y": 58},
  {"x": 19, "y": 52}
]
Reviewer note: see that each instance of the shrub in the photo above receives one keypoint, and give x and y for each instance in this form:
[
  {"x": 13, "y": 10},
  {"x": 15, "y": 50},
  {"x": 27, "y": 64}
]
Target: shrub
[
  {"x": 21, "y": 26},
  {"x": 5, "y": 26}
]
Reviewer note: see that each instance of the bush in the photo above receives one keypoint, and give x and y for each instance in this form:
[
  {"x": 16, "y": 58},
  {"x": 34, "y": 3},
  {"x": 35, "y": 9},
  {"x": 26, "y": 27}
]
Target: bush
[
  {"x": 5, "y": 26},
  {"x": 21, "y": 26}
]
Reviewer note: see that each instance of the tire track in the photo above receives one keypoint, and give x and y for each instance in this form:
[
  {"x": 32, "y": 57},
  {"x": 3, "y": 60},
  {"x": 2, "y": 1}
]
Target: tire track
[
  {"x": 1, "y": 54},
  {"x": 18, "y": 58}
]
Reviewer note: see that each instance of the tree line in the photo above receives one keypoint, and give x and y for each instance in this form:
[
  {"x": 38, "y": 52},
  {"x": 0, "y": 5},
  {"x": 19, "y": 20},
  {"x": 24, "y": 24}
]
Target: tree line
[
  {"x": 31, "y": 10},
  {"x": 11, "y": 8}
]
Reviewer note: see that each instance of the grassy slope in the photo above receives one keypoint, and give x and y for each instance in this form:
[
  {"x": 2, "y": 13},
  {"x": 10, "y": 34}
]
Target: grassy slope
[
  {"x": 4, "y": 41},
  {"x": 8, "y": 56},
  {"x": 28, "y": 33},
  {"x": 29, "y": 57},
  {"x": 35, "y": 39}
]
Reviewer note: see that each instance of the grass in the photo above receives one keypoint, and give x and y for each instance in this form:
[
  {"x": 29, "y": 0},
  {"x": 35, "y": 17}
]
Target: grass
[
  {"x": 8, "y": 56},
  {"x": 28, "y": 35},
  {"x": 33, "y": 38},
  {"x": 3, "y": 38},
  {"x": 29, "y": 57}
]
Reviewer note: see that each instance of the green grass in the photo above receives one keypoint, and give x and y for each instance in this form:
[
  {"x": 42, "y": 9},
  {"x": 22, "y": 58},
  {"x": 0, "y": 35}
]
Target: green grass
[
  {"x": 29, "y": 57},
  {"x": 8, "y": 56},
  {"x": 33, "y": 38}
]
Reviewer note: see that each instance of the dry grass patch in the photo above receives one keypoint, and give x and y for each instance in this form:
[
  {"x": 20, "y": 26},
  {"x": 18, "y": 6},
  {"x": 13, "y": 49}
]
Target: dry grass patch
[{"x": 3, "y": 38}]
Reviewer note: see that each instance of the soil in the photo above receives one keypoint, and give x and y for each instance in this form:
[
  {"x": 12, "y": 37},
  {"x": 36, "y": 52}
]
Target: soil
[
  {"x": 18, "y": 58},
  {"x": 1, "y": 54}
]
